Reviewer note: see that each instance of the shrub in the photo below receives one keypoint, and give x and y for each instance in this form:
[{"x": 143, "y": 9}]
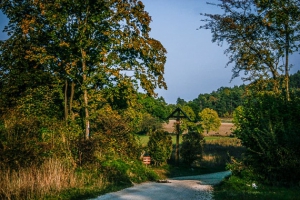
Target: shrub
[
  {"x": 149, "y": 124},
  {"x": 22, "y": 143},
  {"x": 160, "y": 147},
  {"x": 124, "y": 172},
  {"x": 192, "y": 147}
]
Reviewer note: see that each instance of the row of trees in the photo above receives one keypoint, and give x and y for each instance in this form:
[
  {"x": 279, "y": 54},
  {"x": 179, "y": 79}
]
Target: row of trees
[{"x": 226, "y": 99}]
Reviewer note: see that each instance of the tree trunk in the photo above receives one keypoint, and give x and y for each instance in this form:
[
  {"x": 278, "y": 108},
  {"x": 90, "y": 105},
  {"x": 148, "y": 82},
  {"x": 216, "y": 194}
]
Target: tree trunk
[
  {"x": 66, "y": 100},
  {"x": 286, "y": 77},
  {"x": 177, "y": 141},
  {"x": 71, "y": 100},
  {"x": 85, "y": 95}
]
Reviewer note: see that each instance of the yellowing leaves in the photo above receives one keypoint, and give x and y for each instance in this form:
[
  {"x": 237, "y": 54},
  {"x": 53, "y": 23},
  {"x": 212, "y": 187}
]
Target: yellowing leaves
[
  {"x": 26, "y": 24},
  {"x": 64, "y": 44}
]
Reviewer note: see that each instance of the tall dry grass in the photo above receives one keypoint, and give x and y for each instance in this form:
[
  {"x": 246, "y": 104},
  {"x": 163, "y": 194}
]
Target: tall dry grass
[
  {"x": 37, "y": 182},
  {"x": 218, "y": 152}
]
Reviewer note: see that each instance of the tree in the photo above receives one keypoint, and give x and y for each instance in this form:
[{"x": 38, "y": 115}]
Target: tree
[
  {"x": 295, "y": 80},
  {"x": 188, "y": 124},
  {"x": 192, "y": 147},
  {"x": 260, "y": 37},
  {"x": 282, "y": 19},
  {"x": 91, "y": 44},
  {"x": 209, "y": 120},
  {"x": 268, "y": 127},
  {"x": 160, "y": 147},
  {"x": 157, "y": 107},
  {"x": 189, "y": 112},
  {"x": 149, "y": 124},
  {"x": 180, "y": 102}
]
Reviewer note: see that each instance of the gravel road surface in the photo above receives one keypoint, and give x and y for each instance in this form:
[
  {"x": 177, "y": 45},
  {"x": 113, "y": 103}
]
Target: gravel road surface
[{"x": 188, "y": 187}]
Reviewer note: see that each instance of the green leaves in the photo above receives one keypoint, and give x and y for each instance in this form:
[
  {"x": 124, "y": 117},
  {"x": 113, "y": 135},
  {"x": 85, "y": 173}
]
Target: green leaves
[
  {"x": 209, "y": 120},
  {"x": 160, "y": 147},
  {"x": 267, "y": 126},
  {"x": 192, "y": 147},
  {"x": 94, "y": 44}
]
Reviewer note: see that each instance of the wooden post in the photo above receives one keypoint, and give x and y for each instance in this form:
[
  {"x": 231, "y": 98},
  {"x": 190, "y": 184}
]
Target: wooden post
[
  {"x": 177, "y": 140},
  {"x": 178, "y": 114}
]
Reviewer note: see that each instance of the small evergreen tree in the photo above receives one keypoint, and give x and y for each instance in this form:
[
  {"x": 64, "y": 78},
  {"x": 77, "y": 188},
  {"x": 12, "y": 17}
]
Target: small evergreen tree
[
  {"x": 160, "y": 147},
  {"x": 192, "y": 147}
]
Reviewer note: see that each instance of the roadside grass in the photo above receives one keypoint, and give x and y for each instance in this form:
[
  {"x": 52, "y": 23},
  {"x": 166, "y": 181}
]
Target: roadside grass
[
  {"x": 69, "y": 184},
  {"x": 52, "y": 178},
  {"x": 237, "y": 188}
]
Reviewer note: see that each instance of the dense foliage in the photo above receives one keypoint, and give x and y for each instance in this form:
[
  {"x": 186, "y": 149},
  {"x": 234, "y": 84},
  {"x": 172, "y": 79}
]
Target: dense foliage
[
  {"x": 261, "y": 35},
  {"x": 160, "y": 147},
  {"x": 268, "y": 125},
  {"x": 226, "y": 99},
  {"x": 209, "y": 120},
  {"x": 84, "y": 49},
  {"x": 191, "y": 147},
  {"x": 70, "y": 73}
]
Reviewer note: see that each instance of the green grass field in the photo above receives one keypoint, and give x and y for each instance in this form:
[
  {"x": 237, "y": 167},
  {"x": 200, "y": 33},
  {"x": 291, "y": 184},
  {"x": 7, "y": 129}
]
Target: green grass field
[
  {"x": 143, "y": 139},
  {"x": 217, "y": 139}
]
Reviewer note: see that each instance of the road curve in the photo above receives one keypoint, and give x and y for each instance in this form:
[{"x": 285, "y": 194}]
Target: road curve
[{"x": 188, "y": 187}]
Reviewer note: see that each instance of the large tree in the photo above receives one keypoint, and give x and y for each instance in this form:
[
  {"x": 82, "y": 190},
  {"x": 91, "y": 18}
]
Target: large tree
[
  {"x": 94, "y": 45},
  {"x": 260, "y": 36}
]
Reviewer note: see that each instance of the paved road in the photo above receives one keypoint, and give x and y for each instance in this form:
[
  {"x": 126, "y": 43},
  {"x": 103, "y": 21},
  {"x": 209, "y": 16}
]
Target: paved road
[{"x": 188, "y": 187}]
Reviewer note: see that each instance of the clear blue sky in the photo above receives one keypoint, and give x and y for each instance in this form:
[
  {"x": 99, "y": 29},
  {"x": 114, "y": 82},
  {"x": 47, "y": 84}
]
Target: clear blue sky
[{"x": 194, "y": 64}]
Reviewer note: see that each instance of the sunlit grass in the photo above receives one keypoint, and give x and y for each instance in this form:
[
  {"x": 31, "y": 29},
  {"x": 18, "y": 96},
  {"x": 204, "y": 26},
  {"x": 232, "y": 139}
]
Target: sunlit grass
[{"x": 38, "y": 182}]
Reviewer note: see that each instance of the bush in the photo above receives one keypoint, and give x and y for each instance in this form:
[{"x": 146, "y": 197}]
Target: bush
[
  {"x": 160, "y": 147},
  {"x": 124, "y": 172},
  {"x": 268, "y": 126},
  {"x": 22, "y": 143},
  {"x": 192, "y": 147},
  {"x": 149, "y": 124}
]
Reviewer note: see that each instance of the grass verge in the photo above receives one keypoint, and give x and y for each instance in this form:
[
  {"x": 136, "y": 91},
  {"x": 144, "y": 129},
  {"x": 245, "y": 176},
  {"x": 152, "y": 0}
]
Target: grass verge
[{"x": 237, "y": 188}]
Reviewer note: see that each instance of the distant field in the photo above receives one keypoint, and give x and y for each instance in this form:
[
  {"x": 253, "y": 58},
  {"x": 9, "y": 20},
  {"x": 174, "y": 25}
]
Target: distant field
[{"x": 224, "y": 130}]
